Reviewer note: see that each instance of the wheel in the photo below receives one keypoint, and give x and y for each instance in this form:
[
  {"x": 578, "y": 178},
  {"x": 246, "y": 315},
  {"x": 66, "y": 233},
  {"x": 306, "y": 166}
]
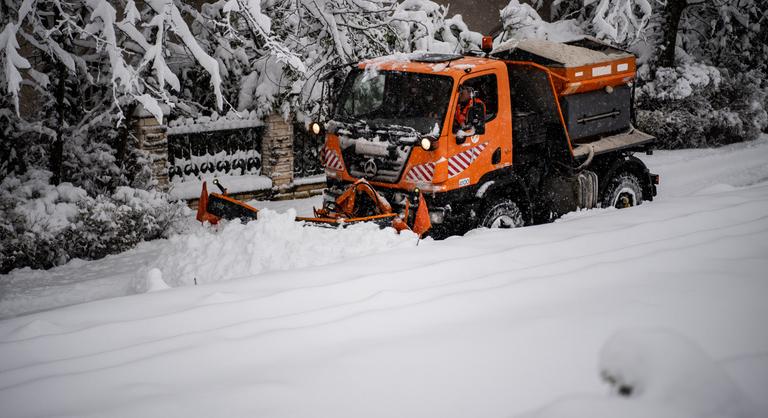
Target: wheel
[
  {"x": 623, "y": 191},
  {"x": 501, "y": 213}
]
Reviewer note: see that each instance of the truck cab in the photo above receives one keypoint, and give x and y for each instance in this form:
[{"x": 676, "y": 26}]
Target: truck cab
[{"x": 552, "y": 134}]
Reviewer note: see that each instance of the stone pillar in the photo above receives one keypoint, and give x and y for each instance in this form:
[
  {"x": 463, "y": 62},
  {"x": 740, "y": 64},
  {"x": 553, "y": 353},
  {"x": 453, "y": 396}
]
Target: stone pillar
[
  {"x": 151, "y": 137},
  {"x": 277, "y": 151}
]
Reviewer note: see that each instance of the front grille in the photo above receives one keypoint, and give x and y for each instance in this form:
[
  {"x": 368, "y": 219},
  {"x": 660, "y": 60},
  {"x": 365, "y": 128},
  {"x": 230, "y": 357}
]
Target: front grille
[{"x": 387, "y": 166}]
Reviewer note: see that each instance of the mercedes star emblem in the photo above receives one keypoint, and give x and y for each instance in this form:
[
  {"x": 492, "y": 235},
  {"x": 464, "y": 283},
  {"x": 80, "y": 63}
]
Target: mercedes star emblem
[{"x": 370, "y": 168}]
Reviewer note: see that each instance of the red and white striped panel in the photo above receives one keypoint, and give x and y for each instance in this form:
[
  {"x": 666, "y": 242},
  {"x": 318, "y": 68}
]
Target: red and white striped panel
[
  {"x": 462, "y": 160},
  {"x": 424, "y": 172},
  {"x": 331, "y": 159}
]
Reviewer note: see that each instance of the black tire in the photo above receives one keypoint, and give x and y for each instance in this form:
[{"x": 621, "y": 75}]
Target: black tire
[
  {"x": 501, "y": 213},
  {"x": 623, "y": 191}
]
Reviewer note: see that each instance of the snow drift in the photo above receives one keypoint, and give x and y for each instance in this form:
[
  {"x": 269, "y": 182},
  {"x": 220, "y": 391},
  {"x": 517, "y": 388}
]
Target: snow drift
[{"x": 274, "y": 242}]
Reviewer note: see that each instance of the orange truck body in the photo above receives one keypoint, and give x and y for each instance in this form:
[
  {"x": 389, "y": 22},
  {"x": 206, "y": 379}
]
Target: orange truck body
[{"x": 453, "y": 165}]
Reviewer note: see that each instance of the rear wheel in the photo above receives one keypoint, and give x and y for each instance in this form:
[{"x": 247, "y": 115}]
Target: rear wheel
[
  {"x": 623, "y": 191},
  {"x": 501, "y": 213}
]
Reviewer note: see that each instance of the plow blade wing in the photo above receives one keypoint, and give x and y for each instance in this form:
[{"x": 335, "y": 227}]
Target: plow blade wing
[
  {"x": 213, "y": 207},
  {"x": 359, "y": 203},
  {"x": 229, "y": 208}
]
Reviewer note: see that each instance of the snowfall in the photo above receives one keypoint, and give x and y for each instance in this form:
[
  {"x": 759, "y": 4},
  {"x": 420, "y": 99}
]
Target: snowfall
[{"x": 653, "y": 311}]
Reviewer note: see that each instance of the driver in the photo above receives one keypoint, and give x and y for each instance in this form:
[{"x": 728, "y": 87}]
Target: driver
[{"x": 467, "y": 99}]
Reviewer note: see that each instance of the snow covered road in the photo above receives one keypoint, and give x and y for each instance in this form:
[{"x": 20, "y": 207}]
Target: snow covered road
[{"x": 299, "y": 322}]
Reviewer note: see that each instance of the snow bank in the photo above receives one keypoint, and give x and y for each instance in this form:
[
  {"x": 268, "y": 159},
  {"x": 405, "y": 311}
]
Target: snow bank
[{"x": 274, "y": 242}]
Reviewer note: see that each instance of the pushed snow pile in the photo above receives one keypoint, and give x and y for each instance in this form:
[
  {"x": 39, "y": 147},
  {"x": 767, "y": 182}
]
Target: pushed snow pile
[
  {"x": 274, "y": 242},
  {"x": 656, "y": 373}
]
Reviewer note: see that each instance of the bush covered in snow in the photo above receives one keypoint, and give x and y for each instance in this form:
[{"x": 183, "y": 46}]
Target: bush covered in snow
[
  {"x": 695, "y": 105},
  {"x": 45, "y": 225}
]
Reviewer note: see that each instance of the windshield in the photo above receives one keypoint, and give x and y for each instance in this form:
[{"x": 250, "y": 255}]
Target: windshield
[{"x": 419, "y": 101}]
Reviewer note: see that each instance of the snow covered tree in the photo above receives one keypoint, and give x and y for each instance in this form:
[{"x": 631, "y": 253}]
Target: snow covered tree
[
  {"x": 271, "y": 53},
  {"x": 726, "y": 33},
  {"x": 84, "y": 71}
]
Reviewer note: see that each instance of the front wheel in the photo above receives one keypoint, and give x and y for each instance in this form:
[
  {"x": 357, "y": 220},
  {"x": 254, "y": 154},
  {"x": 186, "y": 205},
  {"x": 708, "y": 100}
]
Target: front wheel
[
  {"x": 501, "y": 213},
  {"x": 623, "y": 191}
]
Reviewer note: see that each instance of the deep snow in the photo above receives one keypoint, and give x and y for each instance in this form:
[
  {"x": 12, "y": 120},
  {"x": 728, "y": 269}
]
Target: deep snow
[{"x": 668, "y": 297}]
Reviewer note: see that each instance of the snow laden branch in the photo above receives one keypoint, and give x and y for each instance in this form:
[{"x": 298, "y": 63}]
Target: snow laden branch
[
  {"x": 276, "y": 50},
  {"x": 621, "y": 21},
  {"x": 259, "y": 26},
  {"x": 172, "y": 17},
  {"x": 521, "y": 21},
  {"x": 13, "y": 62},
  {"x": 424, "y": 26}
]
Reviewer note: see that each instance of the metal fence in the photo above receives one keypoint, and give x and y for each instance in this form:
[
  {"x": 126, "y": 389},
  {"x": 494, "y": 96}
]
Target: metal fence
[
  {"x": 306, "y": 152},
  {"x": 223, "y": 152}
]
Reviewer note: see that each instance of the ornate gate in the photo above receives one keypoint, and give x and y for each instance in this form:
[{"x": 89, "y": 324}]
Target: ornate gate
[{"x": 233, "y": 152}]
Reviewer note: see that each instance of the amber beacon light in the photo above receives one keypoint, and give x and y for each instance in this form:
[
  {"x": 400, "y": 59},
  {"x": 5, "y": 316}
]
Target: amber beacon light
[{"x": 487, "y": 44}]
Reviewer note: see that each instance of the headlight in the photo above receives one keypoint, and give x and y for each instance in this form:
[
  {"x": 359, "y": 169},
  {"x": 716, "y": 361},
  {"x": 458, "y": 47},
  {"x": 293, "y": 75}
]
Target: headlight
[
  {"x": 428, "y": 143},
  {"x": 316, "y": 128}
]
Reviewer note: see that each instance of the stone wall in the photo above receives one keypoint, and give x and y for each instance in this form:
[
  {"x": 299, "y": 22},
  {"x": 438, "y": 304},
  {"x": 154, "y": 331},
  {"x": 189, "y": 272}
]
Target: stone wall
[
  {"x": 277, "y": 152},
  {"x": 151, "y": 137}
]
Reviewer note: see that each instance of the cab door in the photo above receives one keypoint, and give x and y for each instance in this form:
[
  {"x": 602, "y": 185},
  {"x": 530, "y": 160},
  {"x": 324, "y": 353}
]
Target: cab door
[{"x": 472, "y": 156}]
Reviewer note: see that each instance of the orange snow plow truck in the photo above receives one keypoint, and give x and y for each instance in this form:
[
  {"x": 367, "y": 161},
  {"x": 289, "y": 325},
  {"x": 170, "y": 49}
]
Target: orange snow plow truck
[{"x": 515, "y": 136}]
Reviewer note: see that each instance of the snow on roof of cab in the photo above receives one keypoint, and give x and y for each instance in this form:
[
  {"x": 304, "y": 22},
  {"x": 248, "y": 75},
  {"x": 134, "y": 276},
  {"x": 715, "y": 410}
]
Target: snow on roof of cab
[
  {"x": 567, "y": 54},
  {"x": 435, "y": 57},
  {"x": 425, "y": 62}
]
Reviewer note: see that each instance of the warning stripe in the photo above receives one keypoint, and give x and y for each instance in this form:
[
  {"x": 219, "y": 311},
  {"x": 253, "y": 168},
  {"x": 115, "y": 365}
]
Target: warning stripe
[
  {"x": 331, "y": 159},
  {"x": 464, "y": 159},
  {"x": 424, "y": 172}
]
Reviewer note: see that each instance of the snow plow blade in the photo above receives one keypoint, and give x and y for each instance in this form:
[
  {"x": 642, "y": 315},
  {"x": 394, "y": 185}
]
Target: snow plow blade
[{"x": 359, "y": 203}]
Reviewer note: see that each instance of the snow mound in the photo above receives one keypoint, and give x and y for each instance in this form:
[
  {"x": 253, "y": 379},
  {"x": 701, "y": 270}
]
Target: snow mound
[
  {"x": 667, "y": 368},
  {"x": 274, "y": 242},
  {"x": 655, "y": 373},
  {"x": 155, "y": 281}
]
